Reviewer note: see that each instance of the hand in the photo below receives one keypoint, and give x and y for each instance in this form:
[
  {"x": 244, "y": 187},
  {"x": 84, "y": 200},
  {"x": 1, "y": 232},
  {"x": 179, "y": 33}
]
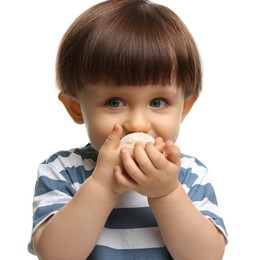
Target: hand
[
  {"x": 152, "y": 173},
  {"x": 108, "y": 160}
]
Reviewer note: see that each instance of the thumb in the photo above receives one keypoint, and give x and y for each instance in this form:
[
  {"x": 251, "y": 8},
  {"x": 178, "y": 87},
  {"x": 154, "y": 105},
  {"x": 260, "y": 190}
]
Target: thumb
[{"x": 114, "y": 137}]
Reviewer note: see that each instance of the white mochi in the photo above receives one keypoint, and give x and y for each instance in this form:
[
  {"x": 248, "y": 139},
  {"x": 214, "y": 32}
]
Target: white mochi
[{"x": 129, "y": 140}]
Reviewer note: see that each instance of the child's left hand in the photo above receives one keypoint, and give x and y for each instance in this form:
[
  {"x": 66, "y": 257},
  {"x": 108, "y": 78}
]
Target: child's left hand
[{"x": 152, "y": 173}]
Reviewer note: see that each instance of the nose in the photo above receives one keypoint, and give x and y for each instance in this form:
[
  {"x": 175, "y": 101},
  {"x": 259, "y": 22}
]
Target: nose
[{"x": 137, "y": 121}]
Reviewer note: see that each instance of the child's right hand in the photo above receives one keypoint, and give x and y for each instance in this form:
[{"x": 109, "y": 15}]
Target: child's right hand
[{"x": 108, "y": 160}]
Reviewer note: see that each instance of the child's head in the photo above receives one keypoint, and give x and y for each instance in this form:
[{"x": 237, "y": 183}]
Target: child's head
[
  {"x": 128, "y": 43},
  {"x": 130, "y": 62}
]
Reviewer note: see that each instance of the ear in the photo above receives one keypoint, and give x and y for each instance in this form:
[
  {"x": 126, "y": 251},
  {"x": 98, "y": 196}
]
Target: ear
[
  {"x": 188, "y": 104},
  {"x": 72, "y": 106}
]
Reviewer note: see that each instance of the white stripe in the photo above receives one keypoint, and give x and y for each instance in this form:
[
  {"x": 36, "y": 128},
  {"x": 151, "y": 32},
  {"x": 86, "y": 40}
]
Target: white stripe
[
  {"x": 201, "y": 171},
  {"x": 203, "y": 178},
  {"x": 191, "y": 163},
  {"x": 187, "y": 189},
  {"x": 76, "y": 186},
  {"x": 50, "y": 198},
  {"x": 131, "y": 238},
  {"x": 131, "y": 199},
  {"x": 187, "y": 163},
  {"x": 48, "y": 170},
  {"x": 207, "y": 205},
  {"x": 61, "y": 163}
]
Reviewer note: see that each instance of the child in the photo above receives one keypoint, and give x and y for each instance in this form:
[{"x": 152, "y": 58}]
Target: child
[{"x": 127, "y": 66}]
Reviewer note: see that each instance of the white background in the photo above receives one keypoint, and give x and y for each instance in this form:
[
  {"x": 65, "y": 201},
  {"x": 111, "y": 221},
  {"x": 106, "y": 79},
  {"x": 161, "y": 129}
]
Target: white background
[{"x": 226, "y": 129}]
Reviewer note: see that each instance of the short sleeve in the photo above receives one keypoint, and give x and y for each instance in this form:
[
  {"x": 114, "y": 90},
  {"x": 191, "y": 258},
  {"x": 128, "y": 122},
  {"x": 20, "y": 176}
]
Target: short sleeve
[
  {"x": 197, "y": 182},
  {"x": 58, "y": 180}
]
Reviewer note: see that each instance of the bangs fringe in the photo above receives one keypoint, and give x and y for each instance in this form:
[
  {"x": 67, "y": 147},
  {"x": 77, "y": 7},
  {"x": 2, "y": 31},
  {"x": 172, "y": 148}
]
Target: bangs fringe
[
  {"x": 132, "y": 45},
  {"x": 133, "y": 56}
]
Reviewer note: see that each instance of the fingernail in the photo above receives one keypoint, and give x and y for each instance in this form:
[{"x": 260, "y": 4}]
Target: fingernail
[{"x": 123, "y": 150}]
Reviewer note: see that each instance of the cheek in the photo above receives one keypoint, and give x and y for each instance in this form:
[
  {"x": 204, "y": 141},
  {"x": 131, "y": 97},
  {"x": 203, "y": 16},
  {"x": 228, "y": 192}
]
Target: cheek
[
  {"x": 168, "y": 128},
  {"x": 173, "y": 132},
  {"x": 97, "y": 131}
]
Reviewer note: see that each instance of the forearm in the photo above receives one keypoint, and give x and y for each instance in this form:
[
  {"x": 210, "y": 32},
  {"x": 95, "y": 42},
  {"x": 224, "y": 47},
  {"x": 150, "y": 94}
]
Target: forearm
[
  {"x": 186, "y": 232},
  {"x": 72, "y": 233}
]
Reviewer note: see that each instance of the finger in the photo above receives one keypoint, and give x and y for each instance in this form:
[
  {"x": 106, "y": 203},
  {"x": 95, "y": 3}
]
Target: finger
[
  {"x": 174, "y": 154},
  {"x": 156, "y": 157},
  {"x": 130, "y": 165},
  {"x": 158, "y": 141},
  {"x": 142, "y": 158},
  {"x": 123, "y": 179},
  {"x": 114, "y": 137},
  {"x": 159, "y": 144}
]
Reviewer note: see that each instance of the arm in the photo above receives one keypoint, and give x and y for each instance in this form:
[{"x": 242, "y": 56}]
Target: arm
[
  {"x": 186, "y": 233},
  {"x": 65, "y": 235}
]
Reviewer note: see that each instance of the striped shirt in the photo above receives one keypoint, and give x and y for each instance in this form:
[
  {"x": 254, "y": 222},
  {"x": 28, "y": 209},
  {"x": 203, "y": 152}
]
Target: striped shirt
[{"x": 131, "y": 231}]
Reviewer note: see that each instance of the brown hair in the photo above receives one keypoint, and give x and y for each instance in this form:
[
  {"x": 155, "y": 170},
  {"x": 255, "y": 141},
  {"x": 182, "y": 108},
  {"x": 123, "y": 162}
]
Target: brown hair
[{"x": 128, "y": 43}]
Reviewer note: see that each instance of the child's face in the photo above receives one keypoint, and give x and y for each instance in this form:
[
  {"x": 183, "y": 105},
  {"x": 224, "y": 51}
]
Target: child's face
[{"x": 155, "y": 110}]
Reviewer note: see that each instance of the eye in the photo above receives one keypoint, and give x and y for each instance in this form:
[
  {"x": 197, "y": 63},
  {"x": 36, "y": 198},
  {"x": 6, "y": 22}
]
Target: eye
[
  {"x": 115, "y": 102},
  {"x": 158, "y": 103}
]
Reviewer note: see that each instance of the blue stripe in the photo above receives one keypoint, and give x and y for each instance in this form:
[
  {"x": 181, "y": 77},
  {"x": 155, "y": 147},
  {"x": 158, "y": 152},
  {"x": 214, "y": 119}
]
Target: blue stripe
[
  {"x": 187, "y": 177},
  {"x": 43, "y": 212},
  {"x": 76, "y": 174},
  {"x": 200, "y": 192},
  {"x": 87, "y": 152},
  {"x": 217, "y": 220},
  {"x": 106, "y": 253},
  {"x": 56, "y": 155},
  {"x": 45, "y": 184},
  {"x": 126, "y": 218}
]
